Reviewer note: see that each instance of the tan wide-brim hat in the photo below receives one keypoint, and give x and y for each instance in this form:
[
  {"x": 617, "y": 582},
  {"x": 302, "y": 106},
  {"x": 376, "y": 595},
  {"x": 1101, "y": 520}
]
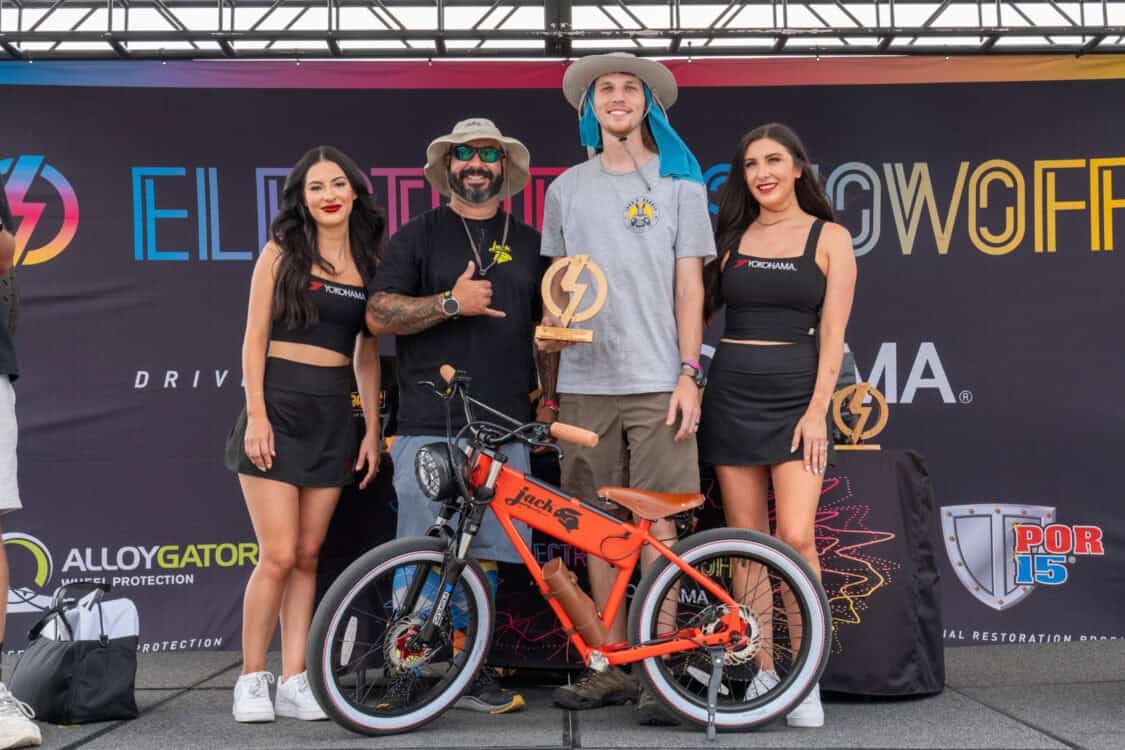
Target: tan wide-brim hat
[
  {"x": 586, "y": 70},
  {"x": 472, "y": 129}
]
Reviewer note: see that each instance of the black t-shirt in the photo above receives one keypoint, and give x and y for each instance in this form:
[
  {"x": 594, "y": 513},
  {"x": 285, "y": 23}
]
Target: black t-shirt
[
  {"x": 7, "y": 300},
  {"x": 424, "y": 258}
]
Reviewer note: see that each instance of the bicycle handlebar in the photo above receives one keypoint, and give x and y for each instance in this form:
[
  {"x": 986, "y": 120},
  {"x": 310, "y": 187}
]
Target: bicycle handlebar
[
  {"x": 559, "y": 430},
  {"x": 572, "y": 434}
]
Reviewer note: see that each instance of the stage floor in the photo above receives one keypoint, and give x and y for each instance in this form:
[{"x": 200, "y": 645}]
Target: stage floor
[{"x": 1013, "y": 697}]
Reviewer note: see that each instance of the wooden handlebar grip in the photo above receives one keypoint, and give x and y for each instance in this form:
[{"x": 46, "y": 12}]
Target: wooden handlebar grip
[{"x": 572, "y": 434}]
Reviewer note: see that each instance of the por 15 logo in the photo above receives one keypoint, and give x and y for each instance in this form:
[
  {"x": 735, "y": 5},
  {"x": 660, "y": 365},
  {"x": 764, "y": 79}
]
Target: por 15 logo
[
  {"x": 1042, "y": 553},
  {"x": 29, "y": 201}
]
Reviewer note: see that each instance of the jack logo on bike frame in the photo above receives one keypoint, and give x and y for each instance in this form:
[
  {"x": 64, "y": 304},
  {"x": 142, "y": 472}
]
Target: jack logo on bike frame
[{"x": 568, "y": 517}]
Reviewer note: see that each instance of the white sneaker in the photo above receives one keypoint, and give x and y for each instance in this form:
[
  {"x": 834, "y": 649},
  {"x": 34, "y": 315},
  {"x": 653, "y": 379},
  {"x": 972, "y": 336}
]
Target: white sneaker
[
  {"x": 16, "y": 726},
  {"x": 296, "y": 701},
  {"x": 808, "y": 713},
  {"x": 763, "y": 682},
  {"x": 252, "y": 697}
]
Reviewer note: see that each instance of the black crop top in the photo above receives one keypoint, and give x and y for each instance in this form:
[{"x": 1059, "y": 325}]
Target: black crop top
[
  {"x": 341, "y": 309},
  {"x": 774, "y": 299}
]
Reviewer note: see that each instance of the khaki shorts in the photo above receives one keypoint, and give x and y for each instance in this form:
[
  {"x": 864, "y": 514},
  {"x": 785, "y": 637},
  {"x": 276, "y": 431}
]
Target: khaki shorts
[{"x": 635, "y": 448}]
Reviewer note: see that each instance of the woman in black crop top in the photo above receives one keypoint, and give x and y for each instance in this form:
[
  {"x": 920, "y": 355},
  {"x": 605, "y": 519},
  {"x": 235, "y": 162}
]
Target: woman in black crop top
[
  {"x": 295, "y": 445},
  {"x": 786, "y": 275}
]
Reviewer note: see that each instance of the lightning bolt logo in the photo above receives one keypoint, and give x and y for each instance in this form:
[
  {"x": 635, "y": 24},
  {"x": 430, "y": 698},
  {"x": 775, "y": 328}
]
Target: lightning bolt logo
[
  {"x": 573, "y": 287},
  {"x": 19, "y": 176},
  {"x": 865, "y": 426},
  {"x": 575, "y": 290},
  {"x": 855, "y": 406},
  {"x": 23, "y": 174}
]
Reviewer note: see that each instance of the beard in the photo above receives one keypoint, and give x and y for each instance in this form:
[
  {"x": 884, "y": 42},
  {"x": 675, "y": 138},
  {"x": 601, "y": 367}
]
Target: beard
[
  {"x": 475, "y": 195},
  {"x": 620, "y": 129}
]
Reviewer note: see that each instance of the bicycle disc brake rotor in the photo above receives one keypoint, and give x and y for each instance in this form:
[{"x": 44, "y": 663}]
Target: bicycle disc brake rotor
[
  {"x": 396, "y": 648},
  {"x": 711, "y": 622}
]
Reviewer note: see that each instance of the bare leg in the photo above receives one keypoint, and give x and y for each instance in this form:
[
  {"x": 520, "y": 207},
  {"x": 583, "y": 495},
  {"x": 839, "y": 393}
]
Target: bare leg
[
  {"x": 316, "y": 507},
  {"x": 665, "y": 531},
  {"x": 273, "y": 510},
  {"x": 797, "y": 494},
  {"x": 746, "y": 506}
]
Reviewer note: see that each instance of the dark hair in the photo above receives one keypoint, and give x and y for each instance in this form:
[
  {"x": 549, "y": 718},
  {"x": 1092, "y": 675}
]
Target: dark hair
[
  {"x": 738, "y": 208},
  {"x": 294, "y": 231}
]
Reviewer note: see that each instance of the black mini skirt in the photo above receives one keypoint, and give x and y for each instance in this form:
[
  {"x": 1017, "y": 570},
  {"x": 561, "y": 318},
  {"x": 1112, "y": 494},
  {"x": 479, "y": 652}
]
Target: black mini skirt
[
  {"x": 754, "y": 399},
  {"x": 314, "y": 430}
]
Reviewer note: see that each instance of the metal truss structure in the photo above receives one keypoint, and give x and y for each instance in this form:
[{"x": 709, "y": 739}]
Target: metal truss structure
[{"x": 481, "y": 29}]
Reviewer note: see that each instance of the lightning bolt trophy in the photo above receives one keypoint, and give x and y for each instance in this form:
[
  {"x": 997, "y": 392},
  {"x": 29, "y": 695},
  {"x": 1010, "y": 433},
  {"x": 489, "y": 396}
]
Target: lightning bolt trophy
[
  {"x": 574, "y": 291},
  {"x": 861, "y": 426}
]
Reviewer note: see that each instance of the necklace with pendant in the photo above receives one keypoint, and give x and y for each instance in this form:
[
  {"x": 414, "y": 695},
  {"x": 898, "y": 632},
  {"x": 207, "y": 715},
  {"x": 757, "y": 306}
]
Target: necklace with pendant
[{"x": 501, "y": 253}]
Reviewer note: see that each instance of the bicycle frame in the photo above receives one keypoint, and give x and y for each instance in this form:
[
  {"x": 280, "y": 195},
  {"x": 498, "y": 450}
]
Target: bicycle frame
[
  {"x": 543, "y": 507},
  {"x": 413, "y": 625}
]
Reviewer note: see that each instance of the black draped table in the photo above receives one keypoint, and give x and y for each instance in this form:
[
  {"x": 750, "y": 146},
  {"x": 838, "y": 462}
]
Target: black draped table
[{"x": 877, "y": 535}]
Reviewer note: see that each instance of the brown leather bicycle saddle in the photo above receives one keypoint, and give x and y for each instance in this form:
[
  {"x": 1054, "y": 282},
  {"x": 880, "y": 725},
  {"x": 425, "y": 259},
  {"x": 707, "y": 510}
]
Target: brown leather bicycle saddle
[{"x": 651, "y": 505}]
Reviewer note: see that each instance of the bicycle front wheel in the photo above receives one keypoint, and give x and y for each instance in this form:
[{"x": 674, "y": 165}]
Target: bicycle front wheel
[
  {"x": 786, "y": 644},
  {"x": 366, "y": 666}
]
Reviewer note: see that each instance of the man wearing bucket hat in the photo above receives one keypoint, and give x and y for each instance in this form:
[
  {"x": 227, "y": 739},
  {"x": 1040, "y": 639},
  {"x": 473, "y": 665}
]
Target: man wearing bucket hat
[
  {"x": 460, "y": 284},
  {"x": 638, "y": 207}
]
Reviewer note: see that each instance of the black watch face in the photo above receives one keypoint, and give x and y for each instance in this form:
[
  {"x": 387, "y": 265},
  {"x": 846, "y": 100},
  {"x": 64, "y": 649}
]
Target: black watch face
[{"x": 450, "y": 306}]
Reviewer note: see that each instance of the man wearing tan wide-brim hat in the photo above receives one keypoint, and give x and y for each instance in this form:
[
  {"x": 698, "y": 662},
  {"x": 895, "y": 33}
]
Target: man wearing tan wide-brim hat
[
  {"x": 638, "y": 208},
  {"x": 514, "y": 166},
  {"x": 460, "y": 284}
]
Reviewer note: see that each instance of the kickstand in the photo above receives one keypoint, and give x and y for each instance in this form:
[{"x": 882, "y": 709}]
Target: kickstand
[{"x": 713, "y": 690}]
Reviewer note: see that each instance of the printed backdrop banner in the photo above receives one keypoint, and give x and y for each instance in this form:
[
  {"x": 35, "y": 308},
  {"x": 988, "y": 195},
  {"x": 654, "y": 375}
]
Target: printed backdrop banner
[{"x": 985, "y": 198}]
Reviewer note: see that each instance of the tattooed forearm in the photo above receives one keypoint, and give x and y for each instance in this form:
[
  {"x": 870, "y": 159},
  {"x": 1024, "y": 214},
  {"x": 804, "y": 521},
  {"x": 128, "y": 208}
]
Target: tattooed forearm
[
  {"x": 400, "y": 315},
  {"x": 548, "y": 366}
]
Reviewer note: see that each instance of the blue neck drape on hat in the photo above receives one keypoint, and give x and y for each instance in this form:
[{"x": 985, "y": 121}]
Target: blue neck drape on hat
[{"x": 676, "y": 159}]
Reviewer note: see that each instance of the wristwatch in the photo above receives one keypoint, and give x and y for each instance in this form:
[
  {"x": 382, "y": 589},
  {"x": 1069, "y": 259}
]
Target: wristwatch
[
  {"x": 449, "y": 305},
  {"x": 695, "y": 372}
]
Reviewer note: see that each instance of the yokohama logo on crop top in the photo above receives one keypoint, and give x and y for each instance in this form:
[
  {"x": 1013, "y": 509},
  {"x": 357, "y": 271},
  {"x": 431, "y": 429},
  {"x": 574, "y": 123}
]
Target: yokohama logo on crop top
[
  {"x": 767, "y": 265},
  {"x": 339, "y": 291}
]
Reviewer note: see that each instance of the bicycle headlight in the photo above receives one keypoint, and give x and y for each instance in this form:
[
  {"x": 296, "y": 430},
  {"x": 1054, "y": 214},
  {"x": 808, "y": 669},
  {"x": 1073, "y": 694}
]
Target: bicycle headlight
[{"x": 434, "y": 471}]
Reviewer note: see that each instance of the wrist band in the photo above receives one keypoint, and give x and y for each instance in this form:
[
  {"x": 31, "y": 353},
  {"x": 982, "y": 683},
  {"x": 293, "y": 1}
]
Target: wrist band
[
  {"x": 692, "y": 364},
  {"x": 552, "y": 405}
]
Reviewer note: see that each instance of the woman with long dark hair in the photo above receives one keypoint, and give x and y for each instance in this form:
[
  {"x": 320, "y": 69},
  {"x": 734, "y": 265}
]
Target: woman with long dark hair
[
  {"x": 294, "y": 445},
  {"x": 786, "y": 274}
]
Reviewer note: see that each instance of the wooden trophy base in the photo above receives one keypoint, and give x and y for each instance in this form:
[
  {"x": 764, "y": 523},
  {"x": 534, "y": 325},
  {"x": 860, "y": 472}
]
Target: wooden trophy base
[{"x": 573, "y": 335}]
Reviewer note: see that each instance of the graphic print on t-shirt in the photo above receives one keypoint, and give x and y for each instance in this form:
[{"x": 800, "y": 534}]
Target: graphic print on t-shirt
[
  {"x": 641, "y": 214},
  {"x": 500, "y": 253}
]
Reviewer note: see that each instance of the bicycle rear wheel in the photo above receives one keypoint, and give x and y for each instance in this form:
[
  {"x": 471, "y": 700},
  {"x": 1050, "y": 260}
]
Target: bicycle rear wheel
[
  {"x": 789, "y": 628},
  {"x": 365, "y": 671}
]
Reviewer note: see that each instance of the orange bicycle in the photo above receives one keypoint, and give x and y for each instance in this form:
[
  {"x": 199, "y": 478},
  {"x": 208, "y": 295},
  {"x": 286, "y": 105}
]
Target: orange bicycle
[{"x": 402, "y": 632}]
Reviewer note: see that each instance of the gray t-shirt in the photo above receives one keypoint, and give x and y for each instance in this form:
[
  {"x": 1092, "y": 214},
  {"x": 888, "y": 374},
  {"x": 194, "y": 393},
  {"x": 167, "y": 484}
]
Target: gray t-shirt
[{"x": 636, "y": 236}]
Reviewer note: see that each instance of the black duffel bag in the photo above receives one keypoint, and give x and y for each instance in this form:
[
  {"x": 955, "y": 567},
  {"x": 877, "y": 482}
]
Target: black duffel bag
[{"x": 81, "y": 662}]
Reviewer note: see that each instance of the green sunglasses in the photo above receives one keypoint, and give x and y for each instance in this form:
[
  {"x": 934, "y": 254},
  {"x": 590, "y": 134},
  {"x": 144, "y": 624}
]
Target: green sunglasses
[{"x": 488, "y": 154}]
